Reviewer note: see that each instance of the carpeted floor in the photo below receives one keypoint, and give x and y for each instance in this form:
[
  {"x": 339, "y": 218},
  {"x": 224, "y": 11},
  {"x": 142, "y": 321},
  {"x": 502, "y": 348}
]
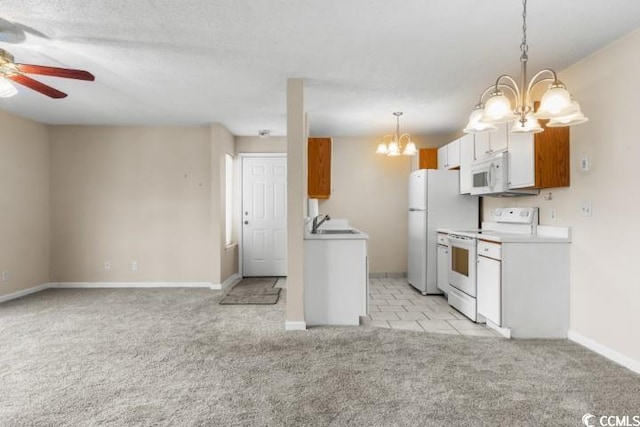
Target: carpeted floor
[{"x": 176, "y": 357}]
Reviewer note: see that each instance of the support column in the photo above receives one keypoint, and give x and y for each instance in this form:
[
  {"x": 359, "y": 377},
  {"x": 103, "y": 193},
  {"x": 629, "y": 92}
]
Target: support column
[{"x": 296, "y": 200}]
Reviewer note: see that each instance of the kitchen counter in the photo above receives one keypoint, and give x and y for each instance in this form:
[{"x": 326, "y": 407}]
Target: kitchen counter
[
  {"x": 351, "y": 234},
  {"x": 545, "y": 234},
  {"x": 335, "y": 277}
]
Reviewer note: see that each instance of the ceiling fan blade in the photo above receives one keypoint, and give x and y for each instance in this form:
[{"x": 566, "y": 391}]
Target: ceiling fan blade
[
  {"x": 67, "y": 73},
  {"x": 37, "y": 86}
]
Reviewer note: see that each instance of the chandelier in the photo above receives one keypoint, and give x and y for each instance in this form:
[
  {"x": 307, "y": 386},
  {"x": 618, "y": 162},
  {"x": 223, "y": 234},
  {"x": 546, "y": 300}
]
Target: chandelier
[
  {"x": 556, "y": 103},
  {"x": 391, "y": 145}
]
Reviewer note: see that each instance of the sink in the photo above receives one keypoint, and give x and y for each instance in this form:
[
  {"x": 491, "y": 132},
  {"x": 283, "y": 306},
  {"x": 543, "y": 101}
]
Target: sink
[{"x": 335, "y": 231}]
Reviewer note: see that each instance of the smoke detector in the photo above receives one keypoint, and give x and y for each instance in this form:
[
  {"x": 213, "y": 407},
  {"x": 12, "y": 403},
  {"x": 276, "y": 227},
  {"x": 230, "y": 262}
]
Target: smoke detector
[{"x": 264, "y": 133}]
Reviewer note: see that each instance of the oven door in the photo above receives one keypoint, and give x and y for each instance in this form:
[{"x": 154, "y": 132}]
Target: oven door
[{"x": 462, "y": 271}]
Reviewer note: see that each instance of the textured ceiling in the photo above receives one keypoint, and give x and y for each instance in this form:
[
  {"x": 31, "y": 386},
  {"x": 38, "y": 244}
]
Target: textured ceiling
[{"x": 227, "y": 61}]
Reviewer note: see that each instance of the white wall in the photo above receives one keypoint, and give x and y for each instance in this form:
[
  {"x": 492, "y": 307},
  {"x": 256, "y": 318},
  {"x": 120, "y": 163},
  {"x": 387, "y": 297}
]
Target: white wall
[
  {"x": 24, "y": 203},
  {"x": 605, "y": 283},
  {"x": 370, "y": 190}
]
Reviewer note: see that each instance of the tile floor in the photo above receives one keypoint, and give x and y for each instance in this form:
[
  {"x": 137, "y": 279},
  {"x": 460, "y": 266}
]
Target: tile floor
[{"x": 393, "y": 303}]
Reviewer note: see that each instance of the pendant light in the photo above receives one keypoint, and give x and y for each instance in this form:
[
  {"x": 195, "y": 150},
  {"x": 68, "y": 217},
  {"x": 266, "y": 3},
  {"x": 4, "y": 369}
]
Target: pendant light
[
  {"x": 556, "y": 103},
  {"x": 391, "y": 145}
]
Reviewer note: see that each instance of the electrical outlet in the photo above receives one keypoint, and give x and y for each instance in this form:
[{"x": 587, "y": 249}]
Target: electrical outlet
[
  {"x": 134, "y": 266},
  {"x": 107, "y": 265},
  {"x": 586, "y": 208},
  {"x": 552, "y": 214},
  {"x": 5, "y": 276}
]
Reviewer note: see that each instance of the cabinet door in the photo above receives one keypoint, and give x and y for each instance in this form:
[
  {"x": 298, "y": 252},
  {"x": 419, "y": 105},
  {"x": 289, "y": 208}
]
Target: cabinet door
[
  {"x": 489, "y": 297},
  {"x": 319, "y": 168},
  {"x": 442, "y": 270},
  {"x": 466, "y": 157},
  {"x": 442, "y": 157},
  {"x": 521, "y": 160},
  {"x": 499, "y": 139},
  {"x": 481, "y": 145},
  {"x": 453, "y": 154}
]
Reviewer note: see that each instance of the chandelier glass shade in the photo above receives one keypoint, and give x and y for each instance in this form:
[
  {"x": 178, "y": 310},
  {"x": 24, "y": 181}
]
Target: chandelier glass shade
[
  {"x": 391, "y": 145},
  {"x": 7, "y": 90},
  {"x": 506, "y": 101}
]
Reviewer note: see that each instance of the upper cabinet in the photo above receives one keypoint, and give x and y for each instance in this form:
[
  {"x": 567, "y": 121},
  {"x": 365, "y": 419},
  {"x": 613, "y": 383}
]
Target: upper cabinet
[
  {"x": 490, "y": 143},
  {"x": 428, "y": 158},
  {"x": 539, "y": 160},
  {"x": 466, "y": 157},
  {"x": 319, "y": 168},
  {"x": 449, "y": 155}
]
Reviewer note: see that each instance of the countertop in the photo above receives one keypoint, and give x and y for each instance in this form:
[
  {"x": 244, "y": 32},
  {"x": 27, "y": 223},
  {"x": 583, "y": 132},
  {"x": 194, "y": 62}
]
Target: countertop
[
  {"x": 545, "y": 234},
  {"x": 358, "y": 236}
]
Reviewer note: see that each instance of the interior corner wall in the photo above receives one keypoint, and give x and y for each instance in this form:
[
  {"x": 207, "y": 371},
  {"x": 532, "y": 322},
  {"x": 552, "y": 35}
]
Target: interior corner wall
[
  {"x": 121, "y": 194},
  {"x": 225, "y": 259},
  {"x": 24, "y": 203},
  {"x": 605, "y": 288},
  {"x": 371, "y": 191}
]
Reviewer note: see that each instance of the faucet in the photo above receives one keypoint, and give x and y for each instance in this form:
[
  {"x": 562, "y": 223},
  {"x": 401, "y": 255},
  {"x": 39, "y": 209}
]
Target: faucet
[{"x": 317, "y": 224}]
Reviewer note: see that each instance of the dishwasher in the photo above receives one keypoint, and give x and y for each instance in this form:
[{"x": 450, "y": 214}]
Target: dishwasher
[{"x": 442, "y": 263}]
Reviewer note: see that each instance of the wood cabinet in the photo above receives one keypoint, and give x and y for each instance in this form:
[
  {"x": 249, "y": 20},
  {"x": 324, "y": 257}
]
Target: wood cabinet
[
  {"x": 490, "y": 143},
  {"x": 539, "y": 160},
  {"x": 428, "y": 158},
  {"x": 319, "y": 168},
  {"x": 449, "y": 155}
]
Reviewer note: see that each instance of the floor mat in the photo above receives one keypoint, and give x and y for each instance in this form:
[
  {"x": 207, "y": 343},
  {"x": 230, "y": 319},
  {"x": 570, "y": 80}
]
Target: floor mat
[{"x": 253, "y": 290}]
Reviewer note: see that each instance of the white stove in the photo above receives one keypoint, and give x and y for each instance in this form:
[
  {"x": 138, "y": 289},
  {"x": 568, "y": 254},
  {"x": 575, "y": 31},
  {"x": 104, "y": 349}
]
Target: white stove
[{"x": 506, "y": 224}]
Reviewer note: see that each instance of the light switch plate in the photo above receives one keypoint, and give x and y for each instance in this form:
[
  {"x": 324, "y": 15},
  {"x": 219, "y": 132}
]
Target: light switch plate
[{"x": 586, "y": 208}]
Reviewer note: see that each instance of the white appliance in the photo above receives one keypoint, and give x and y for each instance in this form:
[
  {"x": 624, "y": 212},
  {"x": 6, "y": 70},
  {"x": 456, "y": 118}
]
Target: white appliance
[
  {"x": 490, "y": 177},
  {"x": 434, "y": 203},
  {"x": 463, "y": 250}
]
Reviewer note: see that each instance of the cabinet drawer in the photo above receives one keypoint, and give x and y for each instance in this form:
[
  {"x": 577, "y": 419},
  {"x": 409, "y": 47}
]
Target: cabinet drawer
[
  {"x": 490, "y": 249},
  {"x": 443, "y": 239}
]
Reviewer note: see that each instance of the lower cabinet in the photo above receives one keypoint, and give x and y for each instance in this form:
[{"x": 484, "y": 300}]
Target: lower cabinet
[
  {"x": 489, "y": 297},
  {"x": 442, "y": 268}
]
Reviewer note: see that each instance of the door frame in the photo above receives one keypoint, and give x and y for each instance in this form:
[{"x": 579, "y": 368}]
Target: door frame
[{"x": 238, "y": 206}]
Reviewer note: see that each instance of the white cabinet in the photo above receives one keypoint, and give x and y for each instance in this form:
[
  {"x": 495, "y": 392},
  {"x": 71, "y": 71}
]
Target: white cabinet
[
  {"x": 489, "y": 288},
  {"x": 521, "y": 161},
  {"x": 442, "y": 267},
  {"x": 335, "y": 279},
  {"x": 449, "y": 155},
  {"x": 490, "y": 143},
  {"x": 466, "y": 158}
]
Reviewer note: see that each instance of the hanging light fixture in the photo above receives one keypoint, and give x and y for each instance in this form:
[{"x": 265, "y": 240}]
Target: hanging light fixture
[
  {"x": 556, "y": 103},
  {"x": 391, "y": 145}
]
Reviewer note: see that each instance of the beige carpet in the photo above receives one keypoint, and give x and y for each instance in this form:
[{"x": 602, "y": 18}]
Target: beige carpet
[{"x": 175, "y": 357}]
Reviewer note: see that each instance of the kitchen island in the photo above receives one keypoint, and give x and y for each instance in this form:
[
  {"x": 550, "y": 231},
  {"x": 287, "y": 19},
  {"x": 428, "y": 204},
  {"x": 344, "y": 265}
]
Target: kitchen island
[{"x": 335, "y": 276}]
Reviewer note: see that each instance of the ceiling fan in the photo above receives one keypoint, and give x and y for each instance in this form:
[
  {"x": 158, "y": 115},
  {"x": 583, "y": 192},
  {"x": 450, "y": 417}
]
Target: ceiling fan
[{"x": 17, "y": 73}]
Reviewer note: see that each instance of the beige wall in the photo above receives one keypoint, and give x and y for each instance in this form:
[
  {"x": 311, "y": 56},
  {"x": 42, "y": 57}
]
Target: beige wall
[
  {"x": 24, "y": 203},
  {"x": 224, "y": 259},
  {"x": 605, "y": 284},
  {"x": 370, "y": 191},
  {"x": 124, "y": 194},
  {"x": 254, "y": 144}
]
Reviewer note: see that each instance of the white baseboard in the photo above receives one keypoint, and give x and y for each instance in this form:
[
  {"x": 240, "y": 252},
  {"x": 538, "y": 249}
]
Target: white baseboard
[
  {"x": 605, "y": 351},
  {"x": 290, "y": 325},
  {"x": 25, "y": 292},
  {"x": 94, "y": 285},
  {"x": 231, "y": 280}
]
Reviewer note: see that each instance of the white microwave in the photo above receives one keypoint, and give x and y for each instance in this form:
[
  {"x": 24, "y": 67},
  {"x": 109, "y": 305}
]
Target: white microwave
[{"x": 490, "y": 177}]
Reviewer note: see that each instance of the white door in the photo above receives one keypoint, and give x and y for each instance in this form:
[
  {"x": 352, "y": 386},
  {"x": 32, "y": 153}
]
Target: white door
[{"x": 264, "y": 216}]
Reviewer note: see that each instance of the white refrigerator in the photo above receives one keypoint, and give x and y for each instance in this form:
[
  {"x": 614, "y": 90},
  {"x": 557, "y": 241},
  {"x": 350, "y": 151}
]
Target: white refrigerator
[{"x": 434, "y": 202}]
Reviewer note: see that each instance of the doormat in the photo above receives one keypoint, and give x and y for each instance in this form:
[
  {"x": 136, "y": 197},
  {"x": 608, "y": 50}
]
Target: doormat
[{"x": 253, "y": 290}]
